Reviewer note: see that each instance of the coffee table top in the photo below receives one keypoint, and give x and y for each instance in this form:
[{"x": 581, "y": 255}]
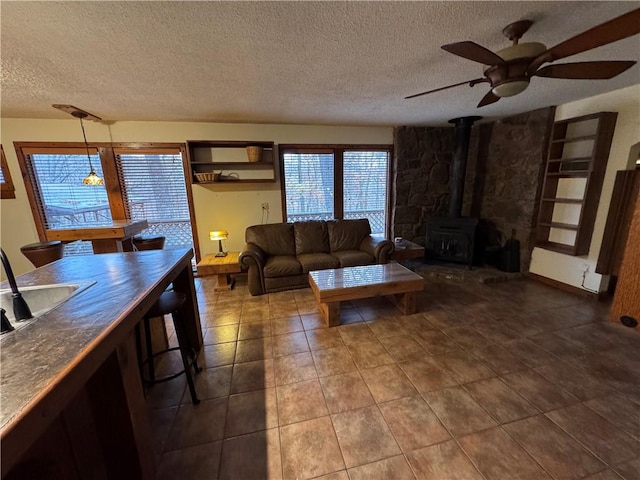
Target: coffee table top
[{"x": 362, "y": 281}]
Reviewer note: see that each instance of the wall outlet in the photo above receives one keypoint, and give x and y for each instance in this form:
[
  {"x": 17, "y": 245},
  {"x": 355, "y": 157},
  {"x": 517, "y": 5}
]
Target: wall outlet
[{"x": 265, "y": 206}]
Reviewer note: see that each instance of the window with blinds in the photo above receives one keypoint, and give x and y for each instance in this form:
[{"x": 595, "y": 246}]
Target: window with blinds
[
  {"x": 365, "y": 187},
  {"x": 153, "y": 188},
  {"x": 309, "y": 185},
  {"x": 6, "y": 185},
  {"x": 325, "y": 183},
  {"x": 62, "y": 200}
]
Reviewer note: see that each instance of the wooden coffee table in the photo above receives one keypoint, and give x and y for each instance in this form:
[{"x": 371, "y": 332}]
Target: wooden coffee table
[
  {"x": 222, "y": 267},
  {"x": 333, "y": 286}
]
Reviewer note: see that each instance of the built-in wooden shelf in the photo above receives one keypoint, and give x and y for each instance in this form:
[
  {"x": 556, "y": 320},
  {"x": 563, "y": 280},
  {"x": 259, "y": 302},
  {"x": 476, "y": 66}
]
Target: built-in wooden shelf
[
  {"x": 229, "y": 158},
  {"x": 576, "y": 164}
]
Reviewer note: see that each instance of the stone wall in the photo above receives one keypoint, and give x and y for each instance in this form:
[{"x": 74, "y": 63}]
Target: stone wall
[
  {"x": 504, "y": 171},
  {"x": 421, "y": 177}
]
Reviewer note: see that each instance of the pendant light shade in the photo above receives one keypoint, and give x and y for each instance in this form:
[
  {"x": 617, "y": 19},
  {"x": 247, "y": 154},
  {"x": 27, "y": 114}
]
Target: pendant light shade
[{"x": 92, "y": 178}]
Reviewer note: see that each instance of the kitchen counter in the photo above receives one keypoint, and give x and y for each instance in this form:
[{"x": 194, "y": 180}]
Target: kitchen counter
[{"x": 49, "y": 364}]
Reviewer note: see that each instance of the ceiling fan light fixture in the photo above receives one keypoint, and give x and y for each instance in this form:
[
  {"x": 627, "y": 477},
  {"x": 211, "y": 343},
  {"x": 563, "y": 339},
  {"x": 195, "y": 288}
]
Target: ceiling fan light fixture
[
  {"x": 509, "y": 89},
  {"x": 521, "y": 50}
]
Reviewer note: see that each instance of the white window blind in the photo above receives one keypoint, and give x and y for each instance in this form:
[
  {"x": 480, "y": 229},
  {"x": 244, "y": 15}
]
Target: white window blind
[
  {"x": 366, "y": 180},
  {"x": 62, "y": 200},
  {"x": 309, "y": 185},
  {"x": 154, "y": 188}
]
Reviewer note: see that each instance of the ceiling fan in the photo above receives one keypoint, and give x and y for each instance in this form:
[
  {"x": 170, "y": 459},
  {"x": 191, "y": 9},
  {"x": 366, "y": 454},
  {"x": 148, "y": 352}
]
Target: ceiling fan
[{"x": 510, "y": 70}]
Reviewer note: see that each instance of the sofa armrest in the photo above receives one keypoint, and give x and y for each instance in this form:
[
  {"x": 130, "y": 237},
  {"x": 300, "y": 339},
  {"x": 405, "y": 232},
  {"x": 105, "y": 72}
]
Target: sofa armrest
[
  {"x": 379, "y": 247},
  {"x": 253, "y": 257}
]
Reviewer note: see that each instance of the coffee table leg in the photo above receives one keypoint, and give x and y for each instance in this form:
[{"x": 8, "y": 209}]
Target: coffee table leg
[
  {"x": 406, "y": 302},
  {"x": 224, "y": 282},
  {"x": 331, "y": 312}
]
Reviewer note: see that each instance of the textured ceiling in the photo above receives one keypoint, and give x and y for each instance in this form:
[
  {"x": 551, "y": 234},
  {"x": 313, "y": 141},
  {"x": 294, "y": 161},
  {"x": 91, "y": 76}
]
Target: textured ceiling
[{"x": 335, "y": 63}]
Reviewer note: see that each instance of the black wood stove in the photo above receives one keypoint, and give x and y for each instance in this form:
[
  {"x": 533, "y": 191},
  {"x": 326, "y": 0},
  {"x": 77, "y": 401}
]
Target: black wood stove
[{"x": 453, "y": 238}]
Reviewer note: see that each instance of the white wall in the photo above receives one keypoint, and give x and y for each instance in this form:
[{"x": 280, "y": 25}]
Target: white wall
[
  {"x": 568, "y": 269},
  {"x": 229, "y": 207}
]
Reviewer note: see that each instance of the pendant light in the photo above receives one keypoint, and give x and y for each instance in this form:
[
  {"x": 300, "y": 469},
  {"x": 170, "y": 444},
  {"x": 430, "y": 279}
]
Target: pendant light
[{"x": 92, "y": 178}]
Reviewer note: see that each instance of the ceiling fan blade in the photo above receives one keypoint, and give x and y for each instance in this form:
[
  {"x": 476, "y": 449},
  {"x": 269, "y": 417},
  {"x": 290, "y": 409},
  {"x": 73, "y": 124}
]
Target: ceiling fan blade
[
  {"x": 488, "y": 99},
  {"x": 471, "y": 83},
  {"x": 621, "y": 27},
  {"x": 585, "y": 70},
  {"x": 473, "y": 51}
]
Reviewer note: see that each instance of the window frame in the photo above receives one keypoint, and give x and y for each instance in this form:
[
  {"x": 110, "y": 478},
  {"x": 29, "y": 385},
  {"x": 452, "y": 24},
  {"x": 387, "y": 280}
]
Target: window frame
[
  {"x": 7, "y": 189},
  {"x": 338, "y": 151},
  {"x": 107, "y": 156}
]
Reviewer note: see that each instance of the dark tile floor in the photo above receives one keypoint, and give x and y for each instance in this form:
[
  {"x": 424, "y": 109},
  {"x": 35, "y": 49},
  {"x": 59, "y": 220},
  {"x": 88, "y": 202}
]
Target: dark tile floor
[{"x": 511, "y": 380}]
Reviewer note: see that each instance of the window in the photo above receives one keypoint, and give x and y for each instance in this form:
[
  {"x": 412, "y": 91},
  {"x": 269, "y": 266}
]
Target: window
[
  {"x": 309, "y": 185},
  {"x": 139, "y": 183},
  {"x": 154, "y": 188},
  {"x": 322, "y": 183},
  {"x": 366, "y": 184},
  {"x": 61, "y": 199},
  {"x": 6, "y": 185}
]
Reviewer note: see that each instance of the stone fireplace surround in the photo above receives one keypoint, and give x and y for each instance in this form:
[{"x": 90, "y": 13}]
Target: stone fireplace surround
[{"x": 502, "y": 186}]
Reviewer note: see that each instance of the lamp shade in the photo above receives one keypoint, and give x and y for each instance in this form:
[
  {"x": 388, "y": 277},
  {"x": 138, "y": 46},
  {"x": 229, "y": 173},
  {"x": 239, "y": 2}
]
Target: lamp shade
[{"x": 218, "y": 235}]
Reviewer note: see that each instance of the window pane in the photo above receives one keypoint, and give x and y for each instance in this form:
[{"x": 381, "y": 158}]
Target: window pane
[
  {"x": 308, "y": 186},
  {"x": 65, "y": 200},
  {"x": 154, "y": 189},
  {"x": 365, "y": 187}
]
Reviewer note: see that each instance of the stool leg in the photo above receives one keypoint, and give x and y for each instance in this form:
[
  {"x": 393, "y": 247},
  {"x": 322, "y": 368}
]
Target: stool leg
[
  {"x": 179, "y": 327},
  {"x": 149, "y": 345}
]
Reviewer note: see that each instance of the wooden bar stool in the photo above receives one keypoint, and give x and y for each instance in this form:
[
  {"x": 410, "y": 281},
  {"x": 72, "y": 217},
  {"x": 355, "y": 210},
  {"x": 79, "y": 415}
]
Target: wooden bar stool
[
  {"x": 42, "y": 253},
  {"x": 168, "y": 303},
  {"x": 148, "y": 243}
]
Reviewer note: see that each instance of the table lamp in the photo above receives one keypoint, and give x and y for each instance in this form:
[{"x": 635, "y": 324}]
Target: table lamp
[{"x": 219, "y": 235}]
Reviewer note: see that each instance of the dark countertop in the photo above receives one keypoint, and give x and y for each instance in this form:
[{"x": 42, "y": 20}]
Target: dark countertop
[{"x": 62, "y": 348}]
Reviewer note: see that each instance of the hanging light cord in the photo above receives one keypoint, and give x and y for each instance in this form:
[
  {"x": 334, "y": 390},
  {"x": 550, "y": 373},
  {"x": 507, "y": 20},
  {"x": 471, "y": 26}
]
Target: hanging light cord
[{"x": 87, "y": 147}]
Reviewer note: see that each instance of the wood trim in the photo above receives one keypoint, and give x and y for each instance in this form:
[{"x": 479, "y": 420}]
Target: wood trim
[
  {"x": 331, "y": 147},
  {"x": 7, "y": 190},
  {"x": 337, "y": 151},
  {"x": 569, "y": 288},
  {"x": 186, "y": 165},
  {"x": 626, "y": 188},
  {"x": 107, "y": 154},
  {"x": 625, "y": 299},
  {"x": 283, "y": 200},
  {"x": 112, "y": 183},
  {"x": 338, "y": 183},
  {"x": 32, "y": 194}
]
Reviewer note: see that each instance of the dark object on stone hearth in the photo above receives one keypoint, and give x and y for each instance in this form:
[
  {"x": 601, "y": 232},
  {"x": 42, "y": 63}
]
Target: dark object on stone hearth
[{"x": 510, "y": 256}]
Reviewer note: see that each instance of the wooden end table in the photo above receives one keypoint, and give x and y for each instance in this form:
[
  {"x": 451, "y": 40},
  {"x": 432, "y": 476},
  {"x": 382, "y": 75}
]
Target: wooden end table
[
  {"x": 222, "y": 267},
  {"x": 392, "y": 280},
  {"x": 407, "y": 250}
]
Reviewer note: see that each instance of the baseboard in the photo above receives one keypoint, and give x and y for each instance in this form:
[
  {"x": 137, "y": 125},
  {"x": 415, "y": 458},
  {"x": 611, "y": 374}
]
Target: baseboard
[{"x": 602, "y": 296}]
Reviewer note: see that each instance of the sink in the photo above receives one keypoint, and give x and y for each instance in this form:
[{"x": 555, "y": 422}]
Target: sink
[{"x": 41, "y": 299}]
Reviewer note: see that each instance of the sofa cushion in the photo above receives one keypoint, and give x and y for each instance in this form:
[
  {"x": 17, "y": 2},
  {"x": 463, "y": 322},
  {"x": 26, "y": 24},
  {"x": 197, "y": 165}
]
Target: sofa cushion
[
  {"x": 317, "y": 261},
  {"x": 347, "y": 234},
  {"x": 311, "y": 237},
  {"x": 281, "y": 266},
  {"x": 272, "y": 238},
  {"x": 354, "y": 258}
]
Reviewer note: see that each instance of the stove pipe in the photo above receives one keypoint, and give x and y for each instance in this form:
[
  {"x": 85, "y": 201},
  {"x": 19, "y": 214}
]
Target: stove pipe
[{"x": 459, "y": 168}]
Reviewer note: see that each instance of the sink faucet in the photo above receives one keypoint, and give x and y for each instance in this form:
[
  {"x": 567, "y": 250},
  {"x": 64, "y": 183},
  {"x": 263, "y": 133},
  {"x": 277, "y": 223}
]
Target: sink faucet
[{"x": 21, "y": 310}]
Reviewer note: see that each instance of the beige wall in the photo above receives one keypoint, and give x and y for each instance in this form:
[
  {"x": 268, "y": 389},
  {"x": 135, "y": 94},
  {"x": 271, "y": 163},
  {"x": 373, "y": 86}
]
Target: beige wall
[
  {"x": 568, "y": 269},
  {"x": 229, "y": 207}
]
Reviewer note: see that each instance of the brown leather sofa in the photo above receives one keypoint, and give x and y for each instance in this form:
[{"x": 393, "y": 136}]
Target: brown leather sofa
[{"x": 279, "y": 256}]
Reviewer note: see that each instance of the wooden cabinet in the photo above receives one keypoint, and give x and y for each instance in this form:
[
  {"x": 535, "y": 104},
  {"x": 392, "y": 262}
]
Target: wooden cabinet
[
  {"x": 227, "y": 162},
  {"x": 575, "y": 168}
]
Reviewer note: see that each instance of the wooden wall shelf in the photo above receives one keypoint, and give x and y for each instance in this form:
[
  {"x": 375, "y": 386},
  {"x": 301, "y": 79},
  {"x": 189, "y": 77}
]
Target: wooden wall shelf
[{"x": 230, "y": 159}]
